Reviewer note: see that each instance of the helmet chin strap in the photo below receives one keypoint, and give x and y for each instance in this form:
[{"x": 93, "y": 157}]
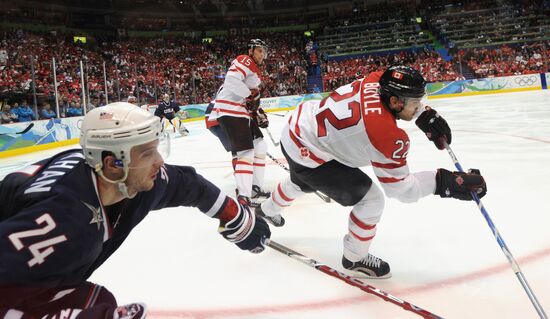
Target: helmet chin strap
[{"x": 122, "y": 187}]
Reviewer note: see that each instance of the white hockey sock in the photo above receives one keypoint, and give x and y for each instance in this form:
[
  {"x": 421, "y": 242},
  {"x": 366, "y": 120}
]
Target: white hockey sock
[
  {"x": 282, "y": 196},
  {"x": 243, "y": 172},
  {"x": 362, "y": 224},
  {"x": 260, "y": 148}
]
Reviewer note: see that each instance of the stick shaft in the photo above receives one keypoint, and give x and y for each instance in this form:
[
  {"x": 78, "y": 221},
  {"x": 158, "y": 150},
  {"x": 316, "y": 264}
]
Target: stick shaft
[
  {"x": 271, "y": 137},
  {"x": 351, "y": 281},
  {"x": 501, "y": 243}
]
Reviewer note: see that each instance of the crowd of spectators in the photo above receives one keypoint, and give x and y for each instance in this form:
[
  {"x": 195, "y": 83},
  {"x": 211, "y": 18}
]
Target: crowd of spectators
[
  {"x": 429, "y": 63},
  {"x": 482, "y": 62},
  {"x": 506, "y": 60},
  {"x": 190, "y": 70}
]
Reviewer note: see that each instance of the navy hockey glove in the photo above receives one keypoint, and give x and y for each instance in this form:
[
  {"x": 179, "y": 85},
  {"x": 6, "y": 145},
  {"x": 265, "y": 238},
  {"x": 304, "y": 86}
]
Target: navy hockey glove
[
  {"x": 246, "y": 231},
  {"x": 459, "y": 185},
  {"x": 436, "y": 128},
  {"x": 261, "y": 118},
  {"x": 253, "y": 100}
]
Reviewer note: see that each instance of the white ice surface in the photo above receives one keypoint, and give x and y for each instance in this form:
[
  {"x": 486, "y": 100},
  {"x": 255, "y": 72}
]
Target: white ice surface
[{"x": 443, "y": 255}]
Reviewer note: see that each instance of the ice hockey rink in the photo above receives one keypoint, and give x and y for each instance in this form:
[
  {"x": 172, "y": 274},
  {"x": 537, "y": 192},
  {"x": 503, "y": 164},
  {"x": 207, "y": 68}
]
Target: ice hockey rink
[{"x": 443, "y": 255}]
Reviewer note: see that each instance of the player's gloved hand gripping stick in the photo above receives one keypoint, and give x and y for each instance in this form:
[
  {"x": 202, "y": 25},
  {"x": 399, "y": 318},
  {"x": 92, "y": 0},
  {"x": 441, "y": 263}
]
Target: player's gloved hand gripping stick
[
  {"x": 500, "y": 241},
  {"x": 466, "y": 186},
  {"x": 244, "y": 229}
]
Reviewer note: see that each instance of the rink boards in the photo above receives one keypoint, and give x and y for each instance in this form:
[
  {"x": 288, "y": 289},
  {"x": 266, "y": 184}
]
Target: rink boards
[{"x": 53, "y": 133}]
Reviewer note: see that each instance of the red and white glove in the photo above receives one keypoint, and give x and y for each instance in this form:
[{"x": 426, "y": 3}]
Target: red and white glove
[{"x": 253, "y": 100}]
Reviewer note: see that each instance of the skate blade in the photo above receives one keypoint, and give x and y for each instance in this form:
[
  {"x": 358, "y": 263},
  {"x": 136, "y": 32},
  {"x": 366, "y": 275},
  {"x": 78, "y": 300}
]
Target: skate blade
[{"x": 362, "y": 275}]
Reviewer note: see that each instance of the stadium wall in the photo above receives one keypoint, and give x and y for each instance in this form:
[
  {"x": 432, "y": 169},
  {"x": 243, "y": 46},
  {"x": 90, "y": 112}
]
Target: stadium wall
[
  {"x": 45, "y": 134},
  {"x": 505, "y": 84},
  {"x": 53, "y": 133}
]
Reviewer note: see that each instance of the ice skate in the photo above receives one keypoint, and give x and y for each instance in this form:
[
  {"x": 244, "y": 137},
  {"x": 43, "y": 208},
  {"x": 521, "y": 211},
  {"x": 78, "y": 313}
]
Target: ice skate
[
  {"x": 370, "y": 267},
  {"x": 277, "y": 220}
]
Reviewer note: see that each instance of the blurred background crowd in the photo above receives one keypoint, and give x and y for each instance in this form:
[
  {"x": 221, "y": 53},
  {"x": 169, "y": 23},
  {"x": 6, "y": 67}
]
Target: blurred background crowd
[{"x": 104, "y": 51}]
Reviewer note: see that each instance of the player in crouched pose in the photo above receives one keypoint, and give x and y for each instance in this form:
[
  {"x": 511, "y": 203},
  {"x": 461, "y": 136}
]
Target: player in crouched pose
[
  {"x": 62, "y": 217},
  {"x": 325, "y": 142}
]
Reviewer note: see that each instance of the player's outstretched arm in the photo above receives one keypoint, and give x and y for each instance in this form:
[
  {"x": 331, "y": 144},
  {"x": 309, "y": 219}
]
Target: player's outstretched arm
[
  {"x": 435, "y": 127},
  {"x": 239, "y": 225},
  {"x": 460, "y": 184},
  {"x": 187, "y": 188}
]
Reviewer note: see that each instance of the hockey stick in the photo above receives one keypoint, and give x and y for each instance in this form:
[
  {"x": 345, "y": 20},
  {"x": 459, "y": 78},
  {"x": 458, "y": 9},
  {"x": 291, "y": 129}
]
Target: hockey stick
[
  {"x": 279, "y": 115},
  {"x": 28, "y": 128},
  {"x": 351, "y": 281},
  {"x": 271, "y": 137},
  {"x": 502, "y": 244},
  {"x": 318, "y": 193}
]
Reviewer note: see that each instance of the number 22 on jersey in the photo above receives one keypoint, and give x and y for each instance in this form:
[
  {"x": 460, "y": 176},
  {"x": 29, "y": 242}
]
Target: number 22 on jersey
[{"x": 328, "y": 115}]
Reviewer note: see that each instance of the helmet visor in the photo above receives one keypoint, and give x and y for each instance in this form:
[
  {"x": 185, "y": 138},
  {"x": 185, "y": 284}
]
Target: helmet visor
[{"x": 149, "y": 154}]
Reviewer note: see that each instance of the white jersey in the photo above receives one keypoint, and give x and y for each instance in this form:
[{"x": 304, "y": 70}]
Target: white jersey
[
  {"x": 352, "y": 127},
  {"x": 242, "y": 76}
]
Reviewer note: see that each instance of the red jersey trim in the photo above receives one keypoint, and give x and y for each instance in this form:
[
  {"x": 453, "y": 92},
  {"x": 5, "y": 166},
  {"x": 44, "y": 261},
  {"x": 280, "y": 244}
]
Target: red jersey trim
[
  {"x": 253, "y": 67},
  {"x": 232, "y": 112},
  {"x": 380, "y": 124},
  {"x": 389, "y": 180},
  {"x": 230, "y": 103},
  {"x": 301, "y": 146},
  {"x": 238, "y": 69},
  {"x": 388, "y": 165}
]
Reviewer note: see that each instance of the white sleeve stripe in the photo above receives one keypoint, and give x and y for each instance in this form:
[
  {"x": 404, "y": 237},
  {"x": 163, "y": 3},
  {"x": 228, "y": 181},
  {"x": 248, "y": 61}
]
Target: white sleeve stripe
[{"x": 217, "y": 205}]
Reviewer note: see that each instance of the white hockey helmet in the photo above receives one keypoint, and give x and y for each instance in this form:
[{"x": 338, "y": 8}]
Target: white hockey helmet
[{"x": 116, "y": 128}]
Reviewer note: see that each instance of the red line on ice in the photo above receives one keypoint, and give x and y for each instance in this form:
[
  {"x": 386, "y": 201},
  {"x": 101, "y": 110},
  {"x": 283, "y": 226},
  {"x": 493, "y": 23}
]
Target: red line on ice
[{"x": 334, "y": 303}]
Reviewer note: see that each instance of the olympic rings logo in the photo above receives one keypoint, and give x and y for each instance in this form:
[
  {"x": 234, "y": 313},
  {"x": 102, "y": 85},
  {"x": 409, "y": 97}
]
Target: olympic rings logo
[{"x": 526, "y": 80}]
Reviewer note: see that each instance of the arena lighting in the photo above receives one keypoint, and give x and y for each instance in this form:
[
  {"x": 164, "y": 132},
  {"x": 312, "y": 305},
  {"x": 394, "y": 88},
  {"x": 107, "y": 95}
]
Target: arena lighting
[
  {"x": 418, "y": 19},
  {"x": 77, "y": 39},
  {"x": 207, "y": 40}
]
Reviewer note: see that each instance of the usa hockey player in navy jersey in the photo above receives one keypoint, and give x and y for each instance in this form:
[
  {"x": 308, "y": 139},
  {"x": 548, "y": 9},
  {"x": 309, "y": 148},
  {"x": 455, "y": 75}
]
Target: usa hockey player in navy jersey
[
  {"x": 62, "y": 217},
  {"x": 325, "y": 142},
  {"x": 170, "y": 111}
]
